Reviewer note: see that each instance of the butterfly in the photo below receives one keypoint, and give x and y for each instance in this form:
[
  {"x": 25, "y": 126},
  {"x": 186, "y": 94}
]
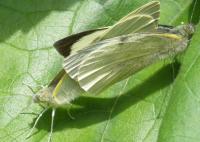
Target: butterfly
[
  {"x": 106, "y": 56},
  {"x": 96, "y": 59}
]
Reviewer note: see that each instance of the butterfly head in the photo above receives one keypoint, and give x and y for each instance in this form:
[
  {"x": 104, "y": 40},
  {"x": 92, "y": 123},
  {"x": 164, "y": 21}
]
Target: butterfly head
[
  {"x": 189, "y": 29},
  {"x": 186, "y": 30},
  {"x": 44, "y": 96}
]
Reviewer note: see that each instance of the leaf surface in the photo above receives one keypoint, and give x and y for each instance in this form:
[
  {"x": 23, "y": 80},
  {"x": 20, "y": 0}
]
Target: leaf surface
[{"x": 160, "y": 103}]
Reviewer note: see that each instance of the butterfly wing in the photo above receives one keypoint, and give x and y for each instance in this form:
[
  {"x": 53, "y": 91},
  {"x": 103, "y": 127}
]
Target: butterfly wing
[
  {"x": 120, "y": 57},
  {"x": 143, "y": 19},
  {"x": 72, "y": 62},
  {"x": 148, "y": 14},
  {"x": 66, "y": 90},
  {"x": 57, "y": 78},
  {"x": 134, "y": 24},
  {"x": 152, "y": 9},
  {"x": 69, "y": 45}
]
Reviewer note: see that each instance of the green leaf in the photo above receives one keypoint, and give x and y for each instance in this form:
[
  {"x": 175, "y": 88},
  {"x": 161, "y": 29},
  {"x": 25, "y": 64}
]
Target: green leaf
[
  {"x": 180, "y": 123},
  {"x": 150, "y": 106}
]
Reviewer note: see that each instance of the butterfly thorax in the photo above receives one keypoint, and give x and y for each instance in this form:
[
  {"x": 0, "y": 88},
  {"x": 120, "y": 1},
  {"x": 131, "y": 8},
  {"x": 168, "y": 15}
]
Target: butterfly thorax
[
  {"x": 45, "y": 97},
  {"x": 184, "y": 30}
]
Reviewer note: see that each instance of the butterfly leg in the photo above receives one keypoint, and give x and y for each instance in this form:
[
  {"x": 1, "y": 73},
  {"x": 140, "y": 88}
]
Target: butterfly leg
[
  {"x": 36, "y": 121},
  {"x": 52, "y": 123},
  {"x": 68, "y": 112}
]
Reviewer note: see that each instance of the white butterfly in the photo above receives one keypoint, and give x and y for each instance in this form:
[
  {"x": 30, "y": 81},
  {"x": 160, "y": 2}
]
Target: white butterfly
[{"x": 112, "y": 54}]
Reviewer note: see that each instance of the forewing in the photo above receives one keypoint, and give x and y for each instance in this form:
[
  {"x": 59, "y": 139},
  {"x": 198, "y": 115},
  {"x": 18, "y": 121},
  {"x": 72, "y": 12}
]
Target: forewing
[
  {"x": 138, "y": 23},
  {"x": 111, "y": 63},
  {"x": 143, "y": 19},
  {"x": 57, "y": 78},
  {"x": 152, "y": 9},
  {"x": 77, "y": 41},
  {"x": 132, "y": 24},
  {"x": 66, "y": 90},
  {"x": 72, "y": 63}
]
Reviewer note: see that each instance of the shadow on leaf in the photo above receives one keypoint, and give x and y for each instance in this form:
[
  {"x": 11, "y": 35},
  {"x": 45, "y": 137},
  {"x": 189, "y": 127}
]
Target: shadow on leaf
[
  {"x": 96, "y": 110},
  {"x": 26, "y": 15}
]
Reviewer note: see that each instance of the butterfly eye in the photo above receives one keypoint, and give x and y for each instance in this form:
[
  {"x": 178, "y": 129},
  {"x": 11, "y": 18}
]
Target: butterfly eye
[
  {"x": 191, "y": 29},
  {"x": 36, "y": 99}
]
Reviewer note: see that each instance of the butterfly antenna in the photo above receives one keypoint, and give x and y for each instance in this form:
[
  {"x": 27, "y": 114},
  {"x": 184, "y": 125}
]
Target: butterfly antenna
[
  {"x": 34, "y": 92},
  {"x": 36, "y": 122},
  {"x": 13, "y": 94},
  {"x": 52, "y": 123},
  {"x": 193, "y": 10}
]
